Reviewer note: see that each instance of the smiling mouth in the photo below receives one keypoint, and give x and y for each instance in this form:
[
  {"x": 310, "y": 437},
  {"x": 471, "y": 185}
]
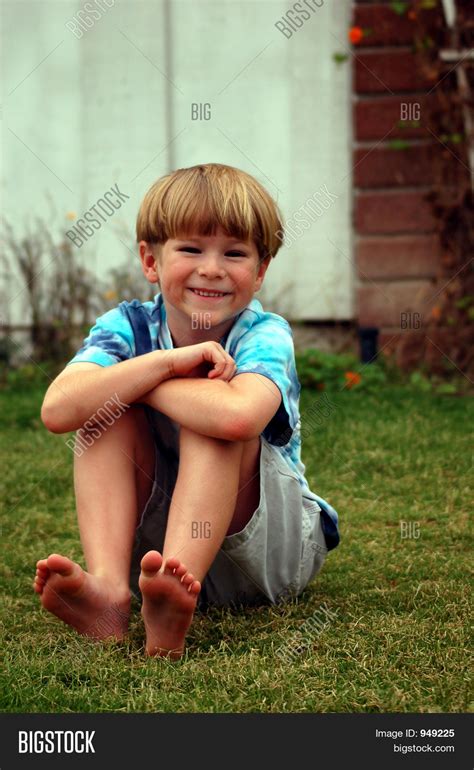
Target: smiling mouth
[{"x": 211, "y": 293}]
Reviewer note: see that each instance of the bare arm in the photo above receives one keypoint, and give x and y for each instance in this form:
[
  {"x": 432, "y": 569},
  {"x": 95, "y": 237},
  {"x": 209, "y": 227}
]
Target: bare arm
[
  {"x": 81, "y": 389},
  {"x": 205, "y": 406},
  {"x": 235, "y": 411}
]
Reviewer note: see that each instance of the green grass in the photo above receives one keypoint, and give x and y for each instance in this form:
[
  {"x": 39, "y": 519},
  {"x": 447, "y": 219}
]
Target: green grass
[{"x": 398, "y": 639}]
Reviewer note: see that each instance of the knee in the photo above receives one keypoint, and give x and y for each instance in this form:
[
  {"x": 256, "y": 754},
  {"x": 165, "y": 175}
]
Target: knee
[
  {"x": 126, "y": 425},
  {"x": 188, "y": 436},
  {"x": 133, "y": 425},
  {"x": 136, "y": 416},
  {"x": 131, "y": 432},
  {"x": 131, "y": 419}
]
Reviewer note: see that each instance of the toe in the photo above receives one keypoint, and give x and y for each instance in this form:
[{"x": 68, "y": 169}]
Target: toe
[
  {"x": 60, "y": 564},
  {"x": 151, "y": 563},
  {"x": 188, "y": 579},
  {"x": 38, "y": 586},
  {"x": 171, "y": 565},
  {"x": 180, "y": 571},
  {"x": 194, "y": 588}
]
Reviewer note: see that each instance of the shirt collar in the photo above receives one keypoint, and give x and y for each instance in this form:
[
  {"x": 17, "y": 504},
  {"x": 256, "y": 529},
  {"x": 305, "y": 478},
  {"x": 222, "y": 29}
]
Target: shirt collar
[{"x": 164, "y": 336}]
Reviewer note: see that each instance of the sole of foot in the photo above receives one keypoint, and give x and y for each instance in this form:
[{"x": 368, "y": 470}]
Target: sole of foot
[
  {"x": 88, "y": 603},
  {"x": 169, "y": 600}
]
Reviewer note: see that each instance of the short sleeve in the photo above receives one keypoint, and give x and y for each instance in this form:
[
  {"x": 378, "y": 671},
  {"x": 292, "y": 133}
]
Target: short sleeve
[
  {"x": 267, "y": 348},
  {"x": 109, "y": 341}
]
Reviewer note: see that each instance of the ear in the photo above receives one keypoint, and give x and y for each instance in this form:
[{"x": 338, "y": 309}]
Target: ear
[
  {"x": 262, "y": 269},
  {"x": 149, "y": 257}
]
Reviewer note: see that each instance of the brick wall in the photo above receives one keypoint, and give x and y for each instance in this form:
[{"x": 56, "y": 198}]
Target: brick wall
[{"x": 397, "y": 250}]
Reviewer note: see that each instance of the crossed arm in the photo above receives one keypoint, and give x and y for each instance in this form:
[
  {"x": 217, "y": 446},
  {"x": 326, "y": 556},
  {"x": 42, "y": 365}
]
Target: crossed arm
[
  {"x": 234, "y": 410},
  {"x": 237, "y": 410}
]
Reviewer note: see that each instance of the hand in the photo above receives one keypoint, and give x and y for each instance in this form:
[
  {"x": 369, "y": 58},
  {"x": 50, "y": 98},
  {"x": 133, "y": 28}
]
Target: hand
[{"x": 189, "y": 360}]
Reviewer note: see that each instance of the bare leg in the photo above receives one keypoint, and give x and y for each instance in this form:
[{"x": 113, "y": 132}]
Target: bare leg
[
  {"x": 113, "y": 479},
  {"x": 218, "y": 486},
  {"x": 216, "y": 492}
]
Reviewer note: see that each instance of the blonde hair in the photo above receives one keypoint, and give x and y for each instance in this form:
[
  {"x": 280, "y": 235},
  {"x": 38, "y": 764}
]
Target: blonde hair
[{"x": 199, "y": 199}]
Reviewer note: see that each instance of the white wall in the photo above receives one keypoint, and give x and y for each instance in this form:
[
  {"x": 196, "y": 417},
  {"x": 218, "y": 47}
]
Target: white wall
[{"x": 115, "y": 107}]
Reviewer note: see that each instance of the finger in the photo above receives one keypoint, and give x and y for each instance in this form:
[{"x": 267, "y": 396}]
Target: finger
[
  {"x": 216, "y": 371},
  {"x": 221, "y": 372},
  {"x": 211, "y": 354},
  {"x": 229, "y": 369}
]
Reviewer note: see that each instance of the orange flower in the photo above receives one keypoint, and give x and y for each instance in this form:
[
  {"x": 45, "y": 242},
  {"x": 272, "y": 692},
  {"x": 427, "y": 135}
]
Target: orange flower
[
  {"x": 436, "y": 313},
  {"x": 355, "y": 35},
  {"x": 411, "y": 15},
  {"x": 352, "y": 378}
]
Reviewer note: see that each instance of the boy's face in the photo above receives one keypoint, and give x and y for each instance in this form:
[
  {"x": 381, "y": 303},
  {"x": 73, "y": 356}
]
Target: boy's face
[{"x": 220, "y": 265}]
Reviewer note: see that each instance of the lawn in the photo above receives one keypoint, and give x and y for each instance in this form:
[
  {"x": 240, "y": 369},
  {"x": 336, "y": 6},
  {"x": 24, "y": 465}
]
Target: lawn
[{"x": 395, "y": 630}]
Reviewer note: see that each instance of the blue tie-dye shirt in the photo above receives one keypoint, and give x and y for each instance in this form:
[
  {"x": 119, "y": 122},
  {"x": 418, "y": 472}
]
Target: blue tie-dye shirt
[{"x": 258, "y": 341}]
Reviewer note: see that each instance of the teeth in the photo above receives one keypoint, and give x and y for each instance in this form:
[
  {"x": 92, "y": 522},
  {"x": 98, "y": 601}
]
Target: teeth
[{"x": 209, "y": 293}]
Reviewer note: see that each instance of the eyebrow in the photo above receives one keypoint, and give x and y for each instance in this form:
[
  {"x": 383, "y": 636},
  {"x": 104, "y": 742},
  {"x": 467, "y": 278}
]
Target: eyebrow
[{"x": 201, "y": 238}]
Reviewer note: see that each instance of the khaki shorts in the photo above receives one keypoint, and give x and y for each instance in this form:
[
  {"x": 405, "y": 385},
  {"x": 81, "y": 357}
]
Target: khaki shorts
[{"x": 275, "y": 556}]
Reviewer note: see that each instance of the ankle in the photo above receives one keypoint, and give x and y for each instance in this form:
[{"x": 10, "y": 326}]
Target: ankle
[{"x": 115, "y": 584}]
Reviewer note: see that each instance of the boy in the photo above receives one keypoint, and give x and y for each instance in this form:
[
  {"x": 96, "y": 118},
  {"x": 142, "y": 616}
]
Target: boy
[{"x": 197, "y": 479}]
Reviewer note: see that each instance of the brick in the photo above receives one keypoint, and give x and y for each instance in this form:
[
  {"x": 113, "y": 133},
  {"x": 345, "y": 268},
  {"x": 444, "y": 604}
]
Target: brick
[
  {"x": 387, "y": 212},
  {"x": 385, "y": 167},
  {"x": 386, "y": 27},
  {"x": 375, "y": 117},
  {"x": 389, "y": 71},
  {"x": 383, "y": 304},
  {"x": 415, "y": 165},
  {"x": 402, "y": 256}
]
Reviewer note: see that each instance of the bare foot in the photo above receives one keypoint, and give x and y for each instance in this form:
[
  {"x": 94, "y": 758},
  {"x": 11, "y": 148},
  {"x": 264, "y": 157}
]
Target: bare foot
[
  {"x": 88, "y": 603},
  {"x": 169, "y": 601}
]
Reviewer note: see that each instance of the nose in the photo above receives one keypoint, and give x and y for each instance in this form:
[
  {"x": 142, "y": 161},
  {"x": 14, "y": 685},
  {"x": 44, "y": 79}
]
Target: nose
[{"x": 211, "y": 266}]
